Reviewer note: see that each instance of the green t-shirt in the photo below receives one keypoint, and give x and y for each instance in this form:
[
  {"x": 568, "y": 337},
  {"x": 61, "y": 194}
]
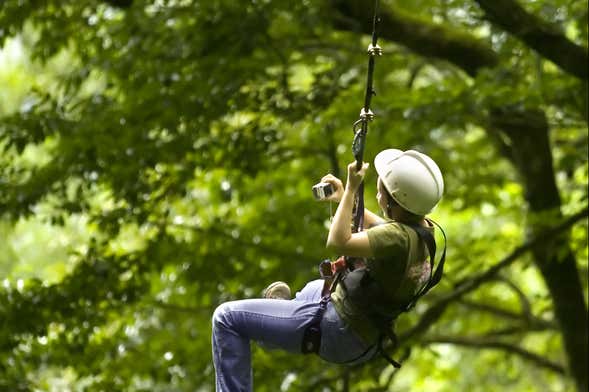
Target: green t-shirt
[{"x": 399, "y": 265}]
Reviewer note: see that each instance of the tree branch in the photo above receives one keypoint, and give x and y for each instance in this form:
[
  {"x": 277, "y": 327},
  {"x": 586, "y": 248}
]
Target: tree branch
[
  {"x": 421, "y": 36},
  {"x": 523, "y": 300},
  {"x": 508, "y": 331},
  {"x": 538, "y": 34},
  {"x": 477, "y": 342},
  {"x": 527, "y": 318}
]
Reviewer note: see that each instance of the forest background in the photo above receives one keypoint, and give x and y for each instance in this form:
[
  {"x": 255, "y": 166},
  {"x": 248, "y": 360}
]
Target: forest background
[{"x": 157, "y": 159}]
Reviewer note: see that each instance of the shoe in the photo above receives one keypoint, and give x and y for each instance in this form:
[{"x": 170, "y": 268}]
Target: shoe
[{"x": 277, "y": 290}]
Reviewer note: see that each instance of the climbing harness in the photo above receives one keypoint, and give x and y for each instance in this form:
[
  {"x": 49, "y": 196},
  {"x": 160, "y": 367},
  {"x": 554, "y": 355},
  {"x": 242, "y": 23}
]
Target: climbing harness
[
  {"x": 362, "y": 289},
  {"x": 367, "y": 293}
]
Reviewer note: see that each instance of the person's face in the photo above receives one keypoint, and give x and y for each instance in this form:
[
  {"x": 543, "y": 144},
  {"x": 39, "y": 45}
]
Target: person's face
[{"x": 381, "y": 195}]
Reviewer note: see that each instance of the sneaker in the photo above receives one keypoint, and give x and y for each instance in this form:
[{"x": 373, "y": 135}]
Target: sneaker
[{"x": 277, "y": 290}]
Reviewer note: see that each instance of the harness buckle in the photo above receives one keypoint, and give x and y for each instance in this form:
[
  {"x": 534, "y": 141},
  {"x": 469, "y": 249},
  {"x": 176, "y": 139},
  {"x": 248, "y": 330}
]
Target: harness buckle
[
  {"x": 374, "y": 50},
  {"x": 328, "y": 268},
  {"x": 366, "y": 115},
  {"x": 338, "y": 265},
  {"x": 325, "y": 269}
]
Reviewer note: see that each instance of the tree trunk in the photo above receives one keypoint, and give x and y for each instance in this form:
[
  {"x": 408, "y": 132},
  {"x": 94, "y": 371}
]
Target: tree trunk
[
  {"x": 527, "y": 131},
  {"x": 546, "y": 38},
  {"x": 421, "y": 36}
]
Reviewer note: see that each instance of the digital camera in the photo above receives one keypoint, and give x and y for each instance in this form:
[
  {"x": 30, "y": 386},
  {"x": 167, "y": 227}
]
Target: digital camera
[{"x": 322, "y": 190}]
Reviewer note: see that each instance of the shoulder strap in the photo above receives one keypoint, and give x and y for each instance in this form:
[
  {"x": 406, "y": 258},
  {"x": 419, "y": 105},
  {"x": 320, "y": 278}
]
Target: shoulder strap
[
  {"x": 440, "y": 270},
  {"x": 430, "y": 242}
]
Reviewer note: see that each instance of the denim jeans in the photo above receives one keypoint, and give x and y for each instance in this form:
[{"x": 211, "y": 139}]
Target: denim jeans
[{"x": 275, "y": 323}]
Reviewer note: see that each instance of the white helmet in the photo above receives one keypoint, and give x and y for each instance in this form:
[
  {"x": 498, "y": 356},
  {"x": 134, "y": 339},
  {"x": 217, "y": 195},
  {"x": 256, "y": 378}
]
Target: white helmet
[{"x": 413, "y": 179}]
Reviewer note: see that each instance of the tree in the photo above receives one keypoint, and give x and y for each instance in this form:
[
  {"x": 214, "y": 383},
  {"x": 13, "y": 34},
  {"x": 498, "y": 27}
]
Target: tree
[
  {"x": 179, "y": 140},
  {"x": 524, "y": 133}
]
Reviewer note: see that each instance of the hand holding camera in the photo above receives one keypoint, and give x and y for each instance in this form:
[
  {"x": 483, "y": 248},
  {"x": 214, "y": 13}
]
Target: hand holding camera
[{"x": 330, "y": 188}]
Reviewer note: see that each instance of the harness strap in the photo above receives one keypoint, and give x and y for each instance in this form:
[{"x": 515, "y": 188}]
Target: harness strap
[
  {"x": 311, "y": 342},
  {"x": 436, "y": 276},
  {"x": 393, "y": 336}
]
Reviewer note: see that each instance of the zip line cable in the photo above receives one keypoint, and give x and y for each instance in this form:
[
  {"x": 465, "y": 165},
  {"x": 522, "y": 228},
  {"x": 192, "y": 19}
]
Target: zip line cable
[
  {"x": 360, "y": 130},
  {"x": 360, "y": 127}
]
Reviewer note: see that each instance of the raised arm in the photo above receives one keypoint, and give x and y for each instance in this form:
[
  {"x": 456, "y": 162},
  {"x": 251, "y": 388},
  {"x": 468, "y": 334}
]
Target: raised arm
[
  {"x": 340, "y": 238},
  {"x": 370, "y": 218}
]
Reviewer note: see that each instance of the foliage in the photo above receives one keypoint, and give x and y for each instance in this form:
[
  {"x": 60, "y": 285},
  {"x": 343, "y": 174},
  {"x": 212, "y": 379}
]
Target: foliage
[{"x": 157, "y": 159}]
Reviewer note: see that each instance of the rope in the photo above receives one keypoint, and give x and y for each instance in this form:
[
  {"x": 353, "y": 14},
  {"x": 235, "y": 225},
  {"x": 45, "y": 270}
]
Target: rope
[{"x": 360, "y": 127}]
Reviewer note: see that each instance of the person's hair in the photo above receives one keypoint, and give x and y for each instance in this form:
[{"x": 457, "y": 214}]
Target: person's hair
[{"x": 406, "y": 216}]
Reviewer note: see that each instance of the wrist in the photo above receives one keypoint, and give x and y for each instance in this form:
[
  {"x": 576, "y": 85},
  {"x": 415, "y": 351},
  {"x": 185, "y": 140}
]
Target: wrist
[{"x": 350, "y": 190}]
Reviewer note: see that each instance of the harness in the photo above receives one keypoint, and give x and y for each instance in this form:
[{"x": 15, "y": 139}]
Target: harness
[
  {"x": 360, "y": 286},
  {"x": 366, "y": 293}
]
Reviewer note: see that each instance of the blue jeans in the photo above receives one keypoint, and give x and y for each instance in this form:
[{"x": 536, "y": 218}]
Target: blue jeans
[{"x": 277, "y": 323}]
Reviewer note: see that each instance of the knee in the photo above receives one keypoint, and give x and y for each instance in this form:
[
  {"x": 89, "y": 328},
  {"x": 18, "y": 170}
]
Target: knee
[
  {"x": 312, "y": 291},
  {"x": 221, "y": 316}
]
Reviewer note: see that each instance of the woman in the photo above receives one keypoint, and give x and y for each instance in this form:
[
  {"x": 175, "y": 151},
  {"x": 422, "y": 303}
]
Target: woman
[{"x": 409, "y": 186}]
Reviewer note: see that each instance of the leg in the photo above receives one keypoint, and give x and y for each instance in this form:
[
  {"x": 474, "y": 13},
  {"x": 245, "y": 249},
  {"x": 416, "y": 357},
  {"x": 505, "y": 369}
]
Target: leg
[
  {"x": 275, "y": 323},
  {"x": 311, "y": 291},
  {"x": 339, "y": 344}
]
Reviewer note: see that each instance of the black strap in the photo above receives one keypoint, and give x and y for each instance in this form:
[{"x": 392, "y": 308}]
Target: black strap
[
  {"x": 440, "y": 270},
  {"x": 430, "y": 242},
  {"x": 311, "y": 342},
  {"x": 393, "y": 337},
  {"x": 311, "y": 339}
]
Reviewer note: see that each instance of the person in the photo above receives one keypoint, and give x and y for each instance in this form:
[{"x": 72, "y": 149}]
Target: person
[{"x": 409, "y": 186}]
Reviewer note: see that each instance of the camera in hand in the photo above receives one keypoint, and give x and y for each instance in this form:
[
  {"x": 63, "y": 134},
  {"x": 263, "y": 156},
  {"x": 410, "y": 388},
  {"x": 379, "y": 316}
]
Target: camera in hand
[{"x": 322, "y": 190}]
